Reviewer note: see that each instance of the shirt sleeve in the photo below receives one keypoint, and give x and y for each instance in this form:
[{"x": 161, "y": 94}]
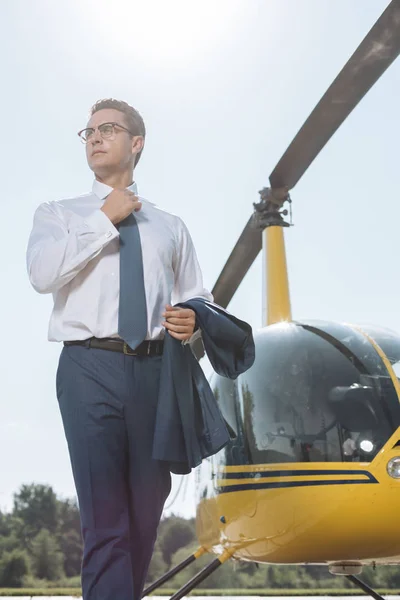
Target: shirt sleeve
[
  {"x": 188, "y": 281},
  {"x": 59, "y": 248},
  {"x": 188, "y": 278}
]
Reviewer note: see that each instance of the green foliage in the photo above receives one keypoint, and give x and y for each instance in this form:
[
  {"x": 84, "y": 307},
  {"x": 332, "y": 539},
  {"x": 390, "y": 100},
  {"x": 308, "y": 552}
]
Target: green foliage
[
  {"x": 36, "y": 506},
  {"x": 14, "y": 566},
  {"x": 9, "y": 543},
  {"x": 174, "y": 534},
  {"x": 32, "y": 582},
  {"x": 157, "y": 566},
  {"x": 68, "y": 516},
  {"x": 190, "y": 571},
  {"x": 69, "y": 536},
  {"x": 47, "y": 560},
  {"x": 70, "y": 545}
]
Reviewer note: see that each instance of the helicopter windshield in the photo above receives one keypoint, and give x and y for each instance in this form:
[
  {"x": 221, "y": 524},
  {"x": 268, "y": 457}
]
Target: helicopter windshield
[
  {"x": 316, "y": 392},
  {"x": 389, "y": 341}
]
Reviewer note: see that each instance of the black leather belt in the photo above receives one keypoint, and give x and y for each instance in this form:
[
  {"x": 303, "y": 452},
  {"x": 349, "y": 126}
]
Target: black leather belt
[{"x": 146, "y": 348}]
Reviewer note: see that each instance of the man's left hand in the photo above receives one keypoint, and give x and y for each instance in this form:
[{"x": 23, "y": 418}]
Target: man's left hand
[{"x": 180, "y": 322}]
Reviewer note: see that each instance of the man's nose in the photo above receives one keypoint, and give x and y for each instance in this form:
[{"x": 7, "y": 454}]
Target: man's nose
[{"x": 96, "y": 137}]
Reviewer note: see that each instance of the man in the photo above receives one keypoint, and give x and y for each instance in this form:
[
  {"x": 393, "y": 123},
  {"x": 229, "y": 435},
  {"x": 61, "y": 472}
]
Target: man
[{"x": 93, "y": 253}]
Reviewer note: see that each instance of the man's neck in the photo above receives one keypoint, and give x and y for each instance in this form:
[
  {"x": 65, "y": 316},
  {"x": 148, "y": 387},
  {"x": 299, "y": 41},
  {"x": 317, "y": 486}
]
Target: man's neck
[{"x": 118, "y": 181}]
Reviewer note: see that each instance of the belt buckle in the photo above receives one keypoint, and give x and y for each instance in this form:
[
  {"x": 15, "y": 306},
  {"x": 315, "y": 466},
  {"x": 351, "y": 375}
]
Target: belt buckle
[{"x": 128, "y": 350}]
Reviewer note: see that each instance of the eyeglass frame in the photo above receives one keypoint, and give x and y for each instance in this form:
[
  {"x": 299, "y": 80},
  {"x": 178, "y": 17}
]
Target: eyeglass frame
[{"x": 113, "y": 123}]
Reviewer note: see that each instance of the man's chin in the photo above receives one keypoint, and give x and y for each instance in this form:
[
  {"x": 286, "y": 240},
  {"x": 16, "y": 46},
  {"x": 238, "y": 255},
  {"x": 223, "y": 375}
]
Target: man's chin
[{"x": 99, "y": 166}]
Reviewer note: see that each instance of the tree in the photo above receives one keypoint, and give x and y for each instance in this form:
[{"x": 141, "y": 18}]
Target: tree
[
  {"x": 13, "y": 568},
  {"x": 157, "y": 567},
  {"x": 68, "y": 516},
  {"x": 9, "y": 525},
  {"x": 71, "y": 547},
  {"x": 8, "y": 543},
  {"x": 36, "y": 505},
  {"x": 69, "y": 536},
  {"x": 47, "y": 560},
  {"x": 4, "y": 528},
  {"x": 176, "y": 533}
]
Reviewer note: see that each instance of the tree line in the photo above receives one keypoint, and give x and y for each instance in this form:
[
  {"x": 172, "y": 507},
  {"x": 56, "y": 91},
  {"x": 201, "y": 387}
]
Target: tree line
[{"x": 41, "y": 546}]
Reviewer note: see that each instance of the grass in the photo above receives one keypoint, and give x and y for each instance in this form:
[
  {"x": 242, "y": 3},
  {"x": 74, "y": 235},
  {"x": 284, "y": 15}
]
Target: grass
[{"x": 76, "y": 592}]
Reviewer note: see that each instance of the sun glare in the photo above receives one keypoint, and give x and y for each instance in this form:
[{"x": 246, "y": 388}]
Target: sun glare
[{"x": 163, "y": 29}]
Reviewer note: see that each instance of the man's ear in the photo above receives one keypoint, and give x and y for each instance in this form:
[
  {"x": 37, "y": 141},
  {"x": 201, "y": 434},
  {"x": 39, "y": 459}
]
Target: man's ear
[{"x": 137, "y": 143}]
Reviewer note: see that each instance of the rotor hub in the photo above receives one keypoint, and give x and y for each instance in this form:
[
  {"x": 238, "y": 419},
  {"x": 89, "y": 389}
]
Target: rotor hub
[{"x": 267, "y": 212}]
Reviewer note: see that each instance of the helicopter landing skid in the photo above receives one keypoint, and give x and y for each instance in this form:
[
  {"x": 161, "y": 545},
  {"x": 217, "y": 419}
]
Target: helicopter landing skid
[
  {"x": 192, "y": 583},
  {"x": 364, "y": 587}
]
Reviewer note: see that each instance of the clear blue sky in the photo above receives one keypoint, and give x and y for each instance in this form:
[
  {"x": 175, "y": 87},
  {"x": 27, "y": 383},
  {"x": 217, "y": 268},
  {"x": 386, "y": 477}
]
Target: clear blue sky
[{"x": 223, "y": 87}]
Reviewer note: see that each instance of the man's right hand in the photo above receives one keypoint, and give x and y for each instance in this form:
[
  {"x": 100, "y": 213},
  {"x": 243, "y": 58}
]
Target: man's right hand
[{"x": 119, "y": 204}]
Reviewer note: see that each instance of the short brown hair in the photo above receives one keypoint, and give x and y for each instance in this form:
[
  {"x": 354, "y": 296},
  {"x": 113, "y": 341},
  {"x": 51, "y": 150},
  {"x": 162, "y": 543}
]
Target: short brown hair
[{"x": 133, "y": 119}]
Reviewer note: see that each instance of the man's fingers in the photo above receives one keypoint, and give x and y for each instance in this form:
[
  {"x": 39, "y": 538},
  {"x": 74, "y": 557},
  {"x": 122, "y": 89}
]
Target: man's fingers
[
  {"x": 180, "y": 322},
  {"x": 179, "y": 314},
  {"x": 174, "y": 321},
  {"x": 178, "y": 328},
  {"x": 137, "y": 205},
  {"x": 175, "y": 313}
]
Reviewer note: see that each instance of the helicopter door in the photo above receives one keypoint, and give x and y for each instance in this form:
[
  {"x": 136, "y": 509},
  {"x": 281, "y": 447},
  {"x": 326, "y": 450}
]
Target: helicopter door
[{"x": 225, "y": 392}]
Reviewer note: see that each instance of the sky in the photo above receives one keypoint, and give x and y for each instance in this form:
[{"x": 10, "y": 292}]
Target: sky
[{"x": 223, "y": 86}]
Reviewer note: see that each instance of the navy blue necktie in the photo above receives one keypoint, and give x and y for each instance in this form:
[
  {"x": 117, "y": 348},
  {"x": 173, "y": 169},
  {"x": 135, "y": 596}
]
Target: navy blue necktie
[{"x": 132, "y": 315}]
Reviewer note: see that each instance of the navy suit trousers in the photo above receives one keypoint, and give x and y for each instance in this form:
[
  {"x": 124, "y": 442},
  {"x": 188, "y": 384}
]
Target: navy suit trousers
[{"x": 108, "y": 404}]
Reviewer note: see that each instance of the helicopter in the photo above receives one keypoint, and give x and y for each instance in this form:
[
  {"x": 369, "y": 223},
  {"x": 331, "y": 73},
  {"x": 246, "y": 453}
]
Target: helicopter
[{"x": 312, "y": 472}]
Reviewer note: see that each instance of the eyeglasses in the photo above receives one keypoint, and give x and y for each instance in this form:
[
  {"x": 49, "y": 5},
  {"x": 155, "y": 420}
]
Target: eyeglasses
[{"x": 107, "y": 131}]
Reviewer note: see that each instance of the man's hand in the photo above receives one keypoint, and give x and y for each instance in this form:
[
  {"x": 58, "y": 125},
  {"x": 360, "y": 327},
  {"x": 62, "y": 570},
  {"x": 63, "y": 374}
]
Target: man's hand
[
  {"x": 119, "y": 204},
  {"x": 180, "y": 322}
]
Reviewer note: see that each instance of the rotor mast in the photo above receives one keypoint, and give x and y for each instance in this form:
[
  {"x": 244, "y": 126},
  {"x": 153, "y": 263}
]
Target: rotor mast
[{"x": 269, "y": 217}]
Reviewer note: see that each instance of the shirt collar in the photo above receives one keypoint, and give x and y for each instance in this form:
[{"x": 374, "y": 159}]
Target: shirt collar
[{"x": 101, "y": 190}]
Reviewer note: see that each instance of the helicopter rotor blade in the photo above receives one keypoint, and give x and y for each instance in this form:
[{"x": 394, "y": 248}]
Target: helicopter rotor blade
[
  {"x": 374, "y": 55},
  {"x": 239, "y": 262}
]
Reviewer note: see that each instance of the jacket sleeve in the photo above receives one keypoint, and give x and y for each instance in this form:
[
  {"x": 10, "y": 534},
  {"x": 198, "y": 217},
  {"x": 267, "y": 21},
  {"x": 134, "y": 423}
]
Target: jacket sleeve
[
  {"x": 58, "y": 248},
  {"x": 228, "y": 341}
]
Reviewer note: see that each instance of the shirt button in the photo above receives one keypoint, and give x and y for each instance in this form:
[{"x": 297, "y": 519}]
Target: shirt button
[{"x": 108, "y": 234}]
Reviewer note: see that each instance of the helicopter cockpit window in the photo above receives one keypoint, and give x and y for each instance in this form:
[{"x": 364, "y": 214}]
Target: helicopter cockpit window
[
  {"x": 316, "y": 393},
  {"x": 389, "y": 341}
]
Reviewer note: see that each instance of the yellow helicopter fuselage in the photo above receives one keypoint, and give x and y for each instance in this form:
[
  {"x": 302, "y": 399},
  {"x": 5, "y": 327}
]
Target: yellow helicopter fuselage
[
  {"x": 310, "y": 477},
  {"x": 312, "y": 515}
]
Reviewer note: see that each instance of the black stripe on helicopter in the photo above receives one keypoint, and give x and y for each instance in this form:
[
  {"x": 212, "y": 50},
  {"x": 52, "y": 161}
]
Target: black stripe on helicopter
[{"x": 282, "y": 484}]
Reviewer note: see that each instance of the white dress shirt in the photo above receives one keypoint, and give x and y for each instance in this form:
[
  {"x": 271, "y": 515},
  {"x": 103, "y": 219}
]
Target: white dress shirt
[{"x": 73, "y": 253}]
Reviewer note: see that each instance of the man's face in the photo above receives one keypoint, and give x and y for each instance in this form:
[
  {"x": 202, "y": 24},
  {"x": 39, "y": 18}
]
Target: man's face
[{"x": 106, "y": 156}]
